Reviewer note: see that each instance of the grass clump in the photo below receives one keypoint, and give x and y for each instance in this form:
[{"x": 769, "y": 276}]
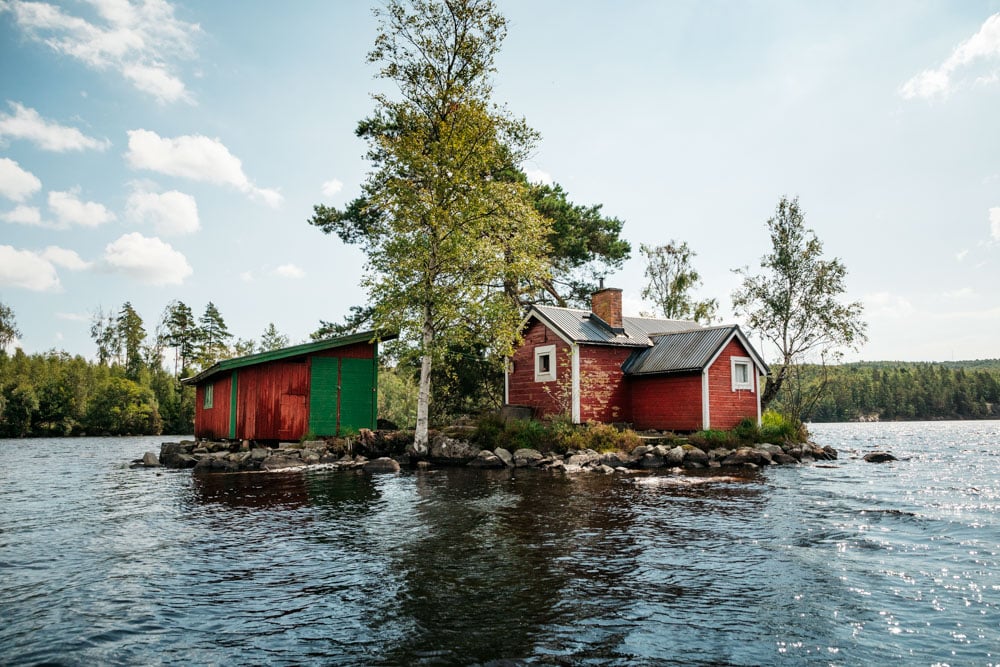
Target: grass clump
[
  {"x": 556, "y": 435},
  {"x": 776, "y": 428}
]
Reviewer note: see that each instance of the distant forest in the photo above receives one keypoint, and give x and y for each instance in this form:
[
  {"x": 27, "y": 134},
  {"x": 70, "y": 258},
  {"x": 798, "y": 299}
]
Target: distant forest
[{"x": 893, "y": 390}]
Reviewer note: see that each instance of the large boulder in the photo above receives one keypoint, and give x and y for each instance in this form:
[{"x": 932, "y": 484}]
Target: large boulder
[
  {"x": 451, "y": 451},
  {"x": 487, "y": 459},
  {"x": 583, "y": 458},
  {"x": 505, "y": 456},
  {"x": 172, "y": 455},
  {"x": 673, "y": 456},
  {"x": 381, "y": 465},
  {"x": 527, "y": 458},
  {"x": 150, "y": 461},
  {"x": 694, "y": 457},
  {"x": 879, "y": 457},
  {"x": 282, "y": 461}
]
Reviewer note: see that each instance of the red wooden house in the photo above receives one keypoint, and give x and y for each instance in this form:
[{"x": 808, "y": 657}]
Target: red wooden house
[
  {"x": 323, "y": 388},
  {"x": 653, "y": 373}
]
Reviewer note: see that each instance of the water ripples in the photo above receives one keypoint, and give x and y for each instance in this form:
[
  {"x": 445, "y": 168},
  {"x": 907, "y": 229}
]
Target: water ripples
[{"x": 854, "y": 564}]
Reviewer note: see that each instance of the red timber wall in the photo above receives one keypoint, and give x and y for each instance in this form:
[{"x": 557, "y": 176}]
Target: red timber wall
[
  {"x": 548, "y": 398},
  {"x": 213, "y": 423},
  {"x": 728, "y": 407},
  {"x": 273, "y": 400},
  {"x": 666, "y": 402},
  {"x": 604, "y": 395}
]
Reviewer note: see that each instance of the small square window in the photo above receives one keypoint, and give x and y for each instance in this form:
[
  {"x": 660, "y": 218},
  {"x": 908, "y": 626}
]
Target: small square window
[
  {"x": 742, "y": 372},
  {"x": 209, "y": 396},
  {"x": 545, "y": 363}
]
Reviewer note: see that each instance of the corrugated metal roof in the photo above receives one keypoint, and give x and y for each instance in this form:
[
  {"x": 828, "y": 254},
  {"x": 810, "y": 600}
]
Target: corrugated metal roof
[
  {"x": 580, "y": 326},
  {"x": 285, "y": 353},
  {"x": 678, "y": 352}
]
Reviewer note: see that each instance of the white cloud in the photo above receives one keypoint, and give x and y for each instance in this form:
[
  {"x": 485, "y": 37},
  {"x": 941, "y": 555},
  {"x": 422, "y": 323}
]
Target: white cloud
[
  {"x": 983, "y": 47},
  {"x": 961, "y": 293},
  {"x": 170, "y": 212},
  {"x": 69, "y": 210},
  {"x": 26, "y": 269},
  {"x": 196, "y": 157},
  {"x": 332, "y": 187},
  {"x": 16, "y": 183},
  {"x": 148, "y": 260},
  {"x": 27, "y": 124},
  {"x": 137, "y": 40},
  {"x": 539, "y": 177},
  {"x": 289, "y": 271},
  {"x": 67, "y": 259},
  {"x": 884, "y": 304},
  {"x": 995, "y": 223},
  {"x": 24, "y": 215},
  {"x": 961, "y": 255},
  {"x": 247, "y": 276}
]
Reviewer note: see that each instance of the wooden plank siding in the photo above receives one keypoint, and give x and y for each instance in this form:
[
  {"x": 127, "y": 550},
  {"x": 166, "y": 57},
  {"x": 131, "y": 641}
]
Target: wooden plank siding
[
  {"x": 547, "y": 398},
  {"x": 214, "y": 421},
  {"x": 666, "y": 402},
  {"x": 728, "y": 407},
  {"x": 604, "y": 395},
  {"x": 271, "y": 400}
]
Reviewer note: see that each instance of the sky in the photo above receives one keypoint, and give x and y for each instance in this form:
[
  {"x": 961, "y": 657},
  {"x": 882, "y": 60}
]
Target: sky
[{"x": 153, "y": 151}]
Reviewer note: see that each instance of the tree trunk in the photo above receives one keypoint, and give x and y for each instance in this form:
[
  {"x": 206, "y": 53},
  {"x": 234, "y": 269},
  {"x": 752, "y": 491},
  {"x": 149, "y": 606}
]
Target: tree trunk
[{"x": 420, "y": 440}]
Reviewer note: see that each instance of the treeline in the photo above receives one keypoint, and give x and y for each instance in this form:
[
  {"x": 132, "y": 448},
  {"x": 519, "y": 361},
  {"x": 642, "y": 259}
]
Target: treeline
[
  {"x": 895, "y": 391},
  {"x": 133, "y": 387}
]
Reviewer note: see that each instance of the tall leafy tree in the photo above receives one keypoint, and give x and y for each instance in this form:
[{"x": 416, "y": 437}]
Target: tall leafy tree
[
  {"x": 104, "y": 330},
  {"x": 8, "y": 326},
  {"x": 214, "y": 336},
  {"x": 131, "y": 333},
  {"x": 272, "y": 339},
  {"x": 795, "y": 301},
  {"x": 446, "y": 239},
  {"x": 670, "y": 281},
  {"x": 182, "y": 333}
]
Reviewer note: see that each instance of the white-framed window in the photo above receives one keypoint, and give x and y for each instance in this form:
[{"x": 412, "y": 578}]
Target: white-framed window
[
  {"x": 545, "y": 363},
  {"x": 209, "y": 396},
  {"x": 742, "y": 373}
]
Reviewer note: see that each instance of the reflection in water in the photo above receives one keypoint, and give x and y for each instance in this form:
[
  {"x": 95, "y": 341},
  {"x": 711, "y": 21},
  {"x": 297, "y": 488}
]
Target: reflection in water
[{"x": 100, "y": 564}]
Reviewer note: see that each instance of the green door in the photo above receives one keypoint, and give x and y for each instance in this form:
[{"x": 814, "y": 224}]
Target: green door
[
  {"x": 323, "y": 396},
  {"x": 357, "y": 394}
]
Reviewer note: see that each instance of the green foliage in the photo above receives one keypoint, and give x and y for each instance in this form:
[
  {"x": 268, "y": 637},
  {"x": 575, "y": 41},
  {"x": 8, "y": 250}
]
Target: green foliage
[
  {"x": 448, "y": 243},
  {"x": 776, "y": 428},
  {"x": 901, "y": 391},
  {"x": 794, "y": 303},
  {"x": 556, "y": 435},
  {"x": 671, "y": 278},
  {"x": 397, "y": 397},
  {"x": 712, "y": 438},
  {"x": 272, "y": 339},
  {"x": 122, "y": 407},
  {"x": 8, "y": 326}
]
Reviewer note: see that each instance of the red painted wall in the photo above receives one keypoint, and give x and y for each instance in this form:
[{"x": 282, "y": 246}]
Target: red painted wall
[
  {"x": 604, "y": 395},
  {"x": 728, "y": 407},
  {"x": 273, "y": 400},
  {"x": 213, "y": 422},
  {"x": 666, "y": 402},
  {"x": 548, "y": 398}
]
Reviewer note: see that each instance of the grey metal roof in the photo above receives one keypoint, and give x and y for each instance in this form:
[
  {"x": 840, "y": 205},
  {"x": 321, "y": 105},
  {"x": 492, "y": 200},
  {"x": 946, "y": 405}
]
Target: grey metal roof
[
  {"x": 679, "y": 352},
  {"x": 581, "y": 326}
]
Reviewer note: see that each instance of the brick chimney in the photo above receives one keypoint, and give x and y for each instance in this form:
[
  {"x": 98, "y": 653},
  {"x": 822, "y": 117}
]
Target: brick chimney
[{"x": 606, "y": 303}]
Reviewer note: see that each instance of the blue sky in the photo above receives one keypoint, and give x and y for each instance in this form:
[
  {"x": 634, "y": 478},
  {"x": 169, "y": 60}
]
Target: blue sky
[{"x": 160, "y": 151}]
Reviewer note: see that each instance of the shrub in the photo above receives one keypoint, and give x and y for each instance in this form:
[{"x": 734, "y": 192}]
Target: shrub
[
  {"x": 747, "y": 430},
  {"x": 777, "y": 428},
  {"x": 714, "y": 438}
]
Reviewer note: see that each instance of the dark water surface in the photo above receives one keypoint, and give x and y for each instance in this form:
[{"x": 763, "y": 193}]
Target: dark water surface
[{"x": 853, "y": 564}]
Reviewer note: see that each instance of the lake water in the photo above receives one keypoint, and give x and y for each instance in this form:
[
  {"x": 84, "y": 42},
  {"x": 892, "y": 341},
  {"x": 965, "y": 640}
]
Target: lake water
[{"x": 847, "y": 564}]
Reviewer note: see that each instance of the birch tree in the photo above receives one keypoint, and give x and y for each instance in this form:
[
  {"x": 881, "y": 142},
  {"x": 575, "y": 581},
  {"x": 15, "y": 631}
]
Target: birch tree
[
  {"x": 446, "y": 235},
  {"x": 795, "y": 301}
]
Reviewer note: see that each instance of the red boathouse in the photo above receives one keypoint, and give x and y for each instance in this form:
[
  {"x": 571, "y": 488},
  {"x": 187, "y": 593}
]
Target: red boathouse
[
  {"x": 323, "y": 388},
  {"x": 653, "y": 373}
]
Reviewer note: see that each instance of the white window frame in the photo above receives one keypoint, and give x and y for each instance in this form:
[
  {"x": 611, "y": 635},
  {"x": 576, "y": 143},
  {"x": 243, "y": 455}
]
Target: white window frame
[
  {"x": 540, "y": 352},
  {"x": 741, "y": 361},
  {"x": 208, "y": 401}
]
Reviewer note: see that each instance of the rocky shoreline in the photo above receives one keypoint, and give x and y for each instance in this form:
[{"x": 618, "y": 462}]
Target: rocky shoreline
[{"x": 378, "y": 451}]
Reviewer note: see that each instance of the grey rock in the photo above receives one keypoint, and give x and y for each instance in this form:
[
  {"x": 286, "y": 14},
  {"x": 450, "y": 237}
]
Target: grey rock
[
  {"x": 527, "y": 458},
  {"x": 170, "y": 454},
  {"x": 150, "y": 461},
  {"x": 651, "y": 461},
  {"x": 604, "y": 469},
  {"x": 381, "y": 465},
  {"x": 583, "y": 458},
  {"x": 487, "y": 459},
  {"x": 314, "y": 444},
  {"x": 769, "y": 448},
  {"x": 259, "y": 453},
  {"x": 694, "y": 457},
  {"x": 505, "y": 456},
  {"x": 614, "y": 459},
  {"x": 449, "y": 450},
  {"x": 281, "y": 462},
  {"x": 674, "y": 457},
  {"x": 879, "y": 457}
]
